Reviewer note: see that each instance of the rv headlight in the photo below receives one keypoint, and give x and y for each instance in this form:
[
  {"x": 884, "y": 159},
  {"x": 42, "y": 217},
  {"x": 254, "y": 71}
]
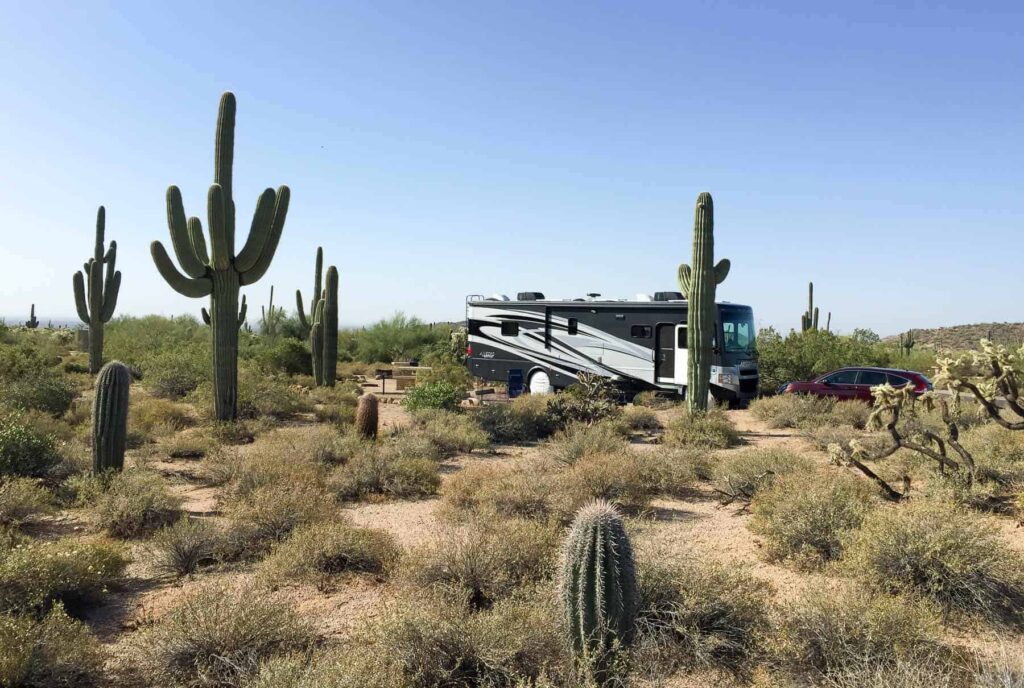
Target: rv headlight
[{"x": 726, "y": 379}]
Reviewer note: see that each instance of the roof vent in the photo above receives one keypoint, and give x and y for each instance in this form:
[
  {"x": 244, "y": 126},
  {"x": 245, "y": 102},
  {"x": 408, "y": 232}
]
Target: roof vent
[
  {"x": 529, "y": 296},
  {"x": 498, "y": 297},
  {"x": 668, "y": 296}
]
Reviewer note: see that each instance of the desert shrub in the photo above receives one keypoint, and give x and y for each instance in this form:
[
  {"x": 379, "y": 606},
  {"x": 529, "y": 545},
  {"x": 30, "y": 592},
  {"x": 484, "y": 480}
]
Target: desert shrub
[
  {"x": 997, "y": 450},
  {"x": 831, "y": 631},
  {"x": 943, "y": 553},
  {"x": 525, "y": 419},
  {"x": 320, "y": 552},
  {"x": 73, "y": 368},
  {"x": 640, "y": 418},
  {"x": 53, "y": 652},
  {"x": 899, "y": 674},
  {"x": 850, "y": 413},
  {"x": 805, "y": 355},
  {"x": 699, "y": 615},
  {"x": 525, "y": 489},
  {"x": 485, "y": 561},
  {"x": 234, "y": 433},
  {"x": 36, "y": 574},
  {"x": 577, "y": 440},
  {"x": 47, "y": 392},
  {"x": 396, "y": 338},
  {"x": 434, "y": 395},
  {"x": 793, "y": 410},
  {"x": 451, "y": 433},
  {"x": 189, "y": 446},
  {"x": 1004, "y": 670},
  {"x": 672, "y": 472},
  {"x": 61, "y": 430},
  {"x": 218, "y": 635},
  {"x": 181, "y": 548},
  {"x": 287, "y": 355},
  {"x": 155, "y": 417},
  {"x": 804, "y": 518},
  {"x": 711, "y": 429},
  {"x": 382, "y": 473},
  {"x": 23, "y": 498},
  {"x": 24, "y": 450},
  {"x": 135, "y": 502},
  {"x": 175, "y": 372},
  {"x": 744, "y": 473},
  {"x": 260, "y": 395},
  {"x": 588, "y": 401},
  {"x": 269, "y": 514},
  {"x": 617, "y": 477},
  {"x": 288, "y": 456}
]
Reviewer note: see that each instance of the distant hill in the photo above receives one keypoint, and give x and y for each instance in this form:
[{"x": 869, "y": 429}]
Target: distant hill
[{"x": 960, "y": 337}]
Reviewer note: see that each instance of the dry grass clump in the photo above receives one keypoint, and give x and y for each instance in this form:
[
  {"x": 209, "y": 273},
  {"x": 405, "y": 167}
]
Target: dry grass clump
[
  {"x": 639, "y": 419},
  {"x": 385, "y": 472},
  {"x": 805, "y": 518},
  {"x": 578, "y": 440},
  {"x": 319, "y": 553},
  {"x": 180, "y": 549},
  {"x": 269, "y": 514},
  {"x": 292, "y": 456},
  {"x": 486, "y": 560},
  {"x": 832, "y": 632},
  {"x": 525, "y": 419},
  {"x": 620, "y": 478},
  {"x": 189, "y": 446},
  {"x": 218, "y": 635},
  {"x": 524, "y": 489},
  {"x": 22, "y": 499},
  {"x": 151, "y": 417},
  {"x": 699, "y": 615},
  {"x": 136, "y": 502},
  {"x": 742, "y": 474},
  {"x": 53, "y": 652},
  {"x": 451, "y": 433},
  {"x": 940, "y": 552},
  {"x": 807, "y": 412},
  {"x": 35, "y": 574},
  {"x": 711, "y": 429},
  {"x": 999, "y": 453}
]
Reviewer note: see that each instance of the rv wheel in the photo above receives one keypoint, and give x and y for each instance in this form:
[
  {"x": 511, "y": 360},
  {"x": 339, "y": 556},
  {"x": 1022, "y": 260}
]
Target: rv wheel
[{"x": 540, "y": 383}]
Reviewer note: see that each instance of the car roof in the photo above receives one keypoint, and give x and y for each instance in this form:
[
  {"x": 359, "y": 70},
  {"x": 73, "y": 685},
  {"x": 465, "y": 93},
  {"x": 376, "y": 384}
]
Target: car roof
[{"x": 897, "y": 371}]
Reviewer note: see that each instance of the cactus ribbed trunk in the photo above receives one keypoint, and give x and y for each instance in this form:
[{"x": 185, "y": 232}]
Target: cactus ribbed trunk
[
  {"x": 307, "y": 325},
  {"x": 367, "y": 416},
  {"x": 110, "y": 417},
  {"x": 330, "y": 325},
  {"x": 224, "y": 331}
]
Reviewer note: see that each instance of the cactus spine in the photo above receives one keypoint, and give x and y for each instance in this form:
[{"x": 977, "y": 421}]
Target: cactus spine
[
  {"x": 307, "y": 325},
  {"x": 220, "y": 272},
  {"x": 32, "y": 323},
  {"x": 366, "y": 416},
  {"x": 598, "y": 585},
  {"x": 110, "y": 417},
  {"x": 323, "y": 337},
  {"x": 96, "y": 293},
  {"x": 698, "y": 284}
]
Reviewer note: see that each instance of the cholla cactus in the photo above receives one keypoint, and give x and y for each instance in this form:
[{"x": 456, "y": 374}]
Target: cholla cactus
[
  {"x": 598, "y": 585},
  {"x": 992, "y": 375}
]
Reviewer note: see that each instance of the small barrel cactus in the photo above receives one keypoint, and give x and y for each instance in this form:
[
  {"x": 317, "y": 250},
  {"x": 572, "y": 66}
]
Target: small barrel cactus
[
  {"x": 366, "y": 416},
  {"x": 110, "y": 417},
  {"x": 598, "y": 585}
]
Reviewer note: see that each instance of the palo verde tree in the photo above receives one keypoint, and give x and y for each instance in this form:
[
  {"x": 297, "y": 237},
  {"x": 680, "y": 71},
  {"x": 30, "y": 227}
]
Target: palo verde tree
[
  {"x": 220, "y": 272},
  {"x": 698, "y": 283},
  {"x": 97, "y": 301}
]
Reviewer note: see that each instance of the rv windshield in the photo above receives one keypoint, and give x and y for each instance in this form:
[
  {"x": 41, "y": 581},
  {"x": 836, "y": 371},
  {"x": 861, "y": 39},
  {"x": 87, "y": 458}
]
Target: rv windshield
[{"x": 737, "y": 330}]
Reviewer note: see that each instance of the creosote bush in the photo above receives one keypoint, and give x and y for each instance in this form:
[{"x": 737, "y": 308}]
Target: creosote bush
[
  {"x": 441, "y": 395},
  {"x": 22, "y": 499},
  {"x": 710, "y": 429},
  {"x": 180, "y": 549},
  {"x": 743, "y": 474},
  {"x": 940, "y": 552},
  {"x": 24, "y": 450},
  {"x": 450, "y": 433},
  {"x": 135, "y": 502},
  {"x": 269, "y": 514},
  {"x": 53, "y": 652},
  {"x": 578, "y": 440},
  {"x": 525, "y": 419},
  {"x": 805, "y": 517},
  {"x": 319, "y": 553}
]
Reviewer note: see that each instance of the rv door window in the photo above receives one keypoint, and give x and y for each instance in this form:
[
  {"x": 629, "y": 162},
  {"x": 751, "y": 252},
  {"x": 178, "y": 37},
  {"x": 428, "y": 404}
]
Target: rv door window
[
  {"x": 640, "y": 331},
  {"x": 573, "y": 326},
  {"x": 509, "y": 329},
  {"x": 681, "y": 335}
]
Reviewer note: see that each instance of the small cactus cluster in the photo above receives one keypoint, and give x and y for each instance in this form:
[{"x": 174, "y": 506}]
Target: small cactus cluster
[
  {"x": 698, "y": 283},
  {"x": 96, "y": 292},
  {"x": 598, "y": 586},
  {"x": 907, "y": 342},
  {"x": 32, "y": 323},
  {"x": 366, "y": 416},
  {"x": 323, "y": 335},
  {"x": 110, "y": 417}
]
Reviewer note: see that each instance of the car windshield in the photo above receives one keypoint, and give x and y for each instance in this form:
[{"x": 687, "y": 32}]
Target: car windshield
[{"x": 737, "y": 330}]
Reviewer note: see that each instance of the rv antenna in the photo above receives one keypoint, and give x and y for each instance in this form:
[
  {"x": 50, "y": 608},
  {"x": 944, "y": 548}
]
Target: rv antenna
[{"x": 592, "y": 295}]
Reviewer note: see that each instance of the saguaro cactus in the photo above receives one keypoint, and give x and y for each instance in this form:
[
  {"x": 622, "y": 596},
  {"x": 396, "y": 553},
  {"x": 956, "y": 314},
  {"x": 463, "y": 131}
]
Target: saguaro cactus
[
  {"x": 219, "y": 273},
  {"x": 110, "y": 417},
  {"x": 323, "y": 337},
  {"x": 698, "y": 284},
  {"x": 270, "y": 317},
  {"x": 96, "y": 303},
  {"x": 307, "y": 325},
  {"x": 32, "y": 323},
  {"x": 598, "y": 584},
  {"x": 366, "y": 416},
  {"x": 907, "y": 342},
  {"x": 809, "y": 320}
]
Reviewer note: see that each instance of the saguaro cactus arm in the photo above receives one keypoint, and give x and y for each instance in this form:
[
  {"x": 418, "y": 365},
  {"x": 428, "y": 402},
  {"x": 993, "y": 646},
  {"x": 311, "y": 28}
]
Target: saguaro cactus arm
[
  {"x": 268, "y": 247},
  {"x": 194, "y": 287},
  {"x": 78, "y": 282},
  {"x": 242, "y": 311}
]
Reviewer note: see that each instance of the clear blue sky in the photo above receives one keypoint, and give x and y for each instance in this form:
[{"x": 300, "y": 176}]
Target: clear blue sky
[{"x": 439, "y": 149}]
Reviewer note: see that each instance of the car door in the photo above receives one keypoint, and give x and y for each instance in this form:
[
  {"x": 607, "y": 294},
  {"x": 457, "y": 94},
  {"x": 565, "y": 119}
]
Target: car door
[
  {"x": 841, "y": 385},
  {"x": 867, "y": 379}
]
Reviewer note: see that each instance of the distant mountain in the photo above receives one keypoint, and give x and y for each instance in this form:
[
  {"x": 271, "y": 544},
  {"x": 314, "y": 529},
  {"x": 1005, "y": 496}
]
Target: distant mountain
[{"x": 960, "y": 337}]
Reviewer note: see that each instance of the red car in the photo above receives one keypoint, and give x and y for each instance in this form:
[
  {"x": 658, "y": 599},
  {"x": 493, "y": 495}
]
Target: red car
[{"x": 856, "y": 383}]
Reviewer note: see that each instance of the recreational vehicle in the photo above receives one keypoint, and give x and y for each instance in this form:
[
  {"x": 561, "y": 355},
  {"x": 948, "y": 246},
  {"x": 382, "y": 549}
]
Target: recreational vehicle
[{"x": 639, "y": 344}]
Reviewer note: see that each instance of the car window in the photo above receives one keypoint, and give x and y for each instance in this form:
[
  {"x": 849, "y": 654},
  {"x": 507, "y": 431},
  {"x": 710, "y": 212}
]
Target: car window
[
  {"x": 843, "y": 377},
  {"x": 897, "y": 381},
  {"x": 871, "y": 377}
]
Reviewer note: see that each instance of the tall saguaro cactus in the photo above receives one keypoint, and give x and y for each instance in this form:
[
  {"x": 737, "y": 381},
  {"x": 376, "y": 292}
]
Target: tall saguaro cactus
[
  {"x": 307, "y": 325},
  {"x": 809, "y": 320},
  {"x": 698, "y": 283},
  {"x": 97, "y": 301},
  {"x": 110, "y": 417},
  {"x": 220, "y": 272},
  {"x": 271, "y": 317},
  {"x": 32, "y": 323},
  {"x": 323, "y": 336}
]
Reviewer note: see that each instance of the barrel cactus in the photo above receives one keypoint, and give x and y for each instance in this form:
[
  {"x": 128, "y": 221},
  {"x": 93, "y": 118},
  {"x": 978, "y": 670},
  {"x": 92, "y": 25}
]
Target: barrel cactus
[
  {"x": 96, "y": 291},
  {"x": 32, "y": 323},
  {"x": 698, "y": 283},
  {"x": 110, "y": 417},
  {"x": 323, "y": 336},
  {"x": 598, "y": 585},
  {"x": 220, "y": 272},
  {"x": 366, "y": 416},
  {"x": 307, "y": 324}
]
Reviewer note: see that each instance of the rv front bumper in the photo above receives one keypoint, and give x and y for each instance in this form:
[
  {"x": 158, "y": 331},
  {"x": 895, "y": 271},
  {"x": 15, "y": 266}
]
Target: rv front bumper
[{"x": 736, "y": 383}]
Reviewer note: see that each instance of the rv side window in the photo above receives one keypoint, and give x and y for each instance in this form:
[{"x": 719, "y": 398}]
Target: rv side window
[
  {"x": 573, "y": 326},
  {"x": 509, "y": 329},
  {"x": 640, "y": 331},
  {"x": 681, "y": 338}
]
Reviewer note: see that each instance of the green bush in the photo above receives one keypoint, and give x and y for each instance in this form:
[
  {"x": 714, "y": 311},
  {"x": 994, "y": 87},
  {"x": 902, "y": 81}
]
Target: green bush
[
  {"x": 450, "y": 433},
  {"x": 53, "y": 652},
  {"x": 743, "y": 474},
  {"x": 940, "y": 552},
  {"x": 23, "y": 498},
  {"x": 136, "y": 502},
  {"x": 24, "y": 450},
  {"x": 319, "y": 553},
  {"x": 589, "y": 401},
  {"x": 383, "y": 473},
  {"x": 578, "y": 440},
  {"x": 38, "y": 573},
  {"x": 805, "y": 355},
  {"x": 47, "y": 392},
  {"x": 173, "y": 373},
  {"x": 525, "y": 419},
  {"x": 397, "y": 338},
  {"x": 804, "y": 518},
  {"x": 288, "y": 356},
  {"x": 181, "y": 548},
  {"x": 269, "y": 514},
  {"x": 434, "y": 395},
  {"x": 709, "y": 430}
]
